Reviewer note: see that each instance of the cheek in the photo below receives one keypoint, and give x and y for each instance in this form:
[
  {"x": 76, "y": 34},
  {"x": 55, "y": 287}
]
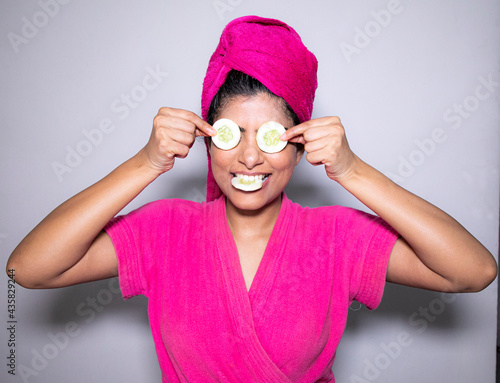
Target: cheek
[
  {"x": 286, "y": 160},
  {"x": 220, "y": 159}
]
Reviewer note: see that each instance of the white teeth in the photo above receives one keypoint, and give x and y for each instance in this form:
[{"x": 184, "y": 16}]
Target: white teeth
[{"x": 245, "y": 177}]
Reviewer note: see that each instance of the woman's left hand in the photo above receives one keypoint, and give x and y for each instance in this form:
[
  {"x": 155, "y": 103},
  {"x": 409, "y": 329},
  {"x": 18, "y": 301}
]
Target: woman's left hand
[{"x": 325, "y": 142}]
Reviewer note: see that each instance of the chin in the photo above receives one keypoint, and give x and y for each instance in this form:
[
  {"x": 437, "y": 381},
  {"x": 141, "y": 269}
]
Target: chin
[{"x": 250, "y": 201}]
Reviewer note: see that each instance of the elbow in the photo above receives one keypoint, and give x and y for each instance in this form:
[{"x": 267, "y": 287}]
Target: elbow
[
  {"x": 481, "y": 279},
  {"x": 488, "y": 275},
  {"x": 16, "y": 273},
  {"x": 12, "y": 270},
  {"x": 12, "y": 273}
]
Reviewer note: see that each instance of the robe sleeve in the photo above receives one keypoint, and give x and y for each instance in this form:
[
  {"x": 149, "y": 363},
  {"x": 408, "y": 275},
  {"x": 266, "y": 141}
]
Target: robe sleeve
[
  {"x": 138, "y": 238},
  {"x": 367, "y": 243}
]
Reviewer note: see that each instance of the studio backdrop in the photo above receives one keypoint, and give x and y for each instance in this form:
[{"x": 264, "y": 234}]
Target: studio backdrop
[{"x": 416, "y": 84}]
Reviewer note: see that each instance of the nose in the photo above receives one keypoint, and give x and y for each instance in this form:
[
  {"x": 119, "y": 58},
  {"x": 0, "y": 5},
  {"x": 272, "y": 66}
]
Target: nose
[{"x": 250, "y": 154}]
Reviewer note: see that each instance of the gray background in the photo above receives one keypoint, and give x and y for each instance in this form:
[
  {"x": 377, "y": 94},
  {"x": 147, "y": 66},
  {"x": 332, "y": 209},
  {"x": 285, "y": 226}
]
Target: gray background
[{"x": 65, "y": 67}]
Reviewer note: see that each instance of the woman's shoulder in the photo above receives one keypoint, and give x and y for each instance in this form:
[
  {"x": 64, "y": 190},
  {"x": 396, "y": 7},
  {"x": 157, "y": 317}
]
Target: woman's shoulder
[
  {"x": 175, "y": 206},
  {"x": 320, "y": 211},
  {"x": 164, "y": 215},
  {"x": 331, "y": 214}
]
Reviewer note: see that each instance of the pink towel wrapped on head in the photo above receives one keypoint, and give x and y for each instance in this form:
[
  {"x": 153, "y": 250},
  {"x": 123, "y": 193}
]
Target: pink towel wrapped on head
[{"x": 271, "y": 52}]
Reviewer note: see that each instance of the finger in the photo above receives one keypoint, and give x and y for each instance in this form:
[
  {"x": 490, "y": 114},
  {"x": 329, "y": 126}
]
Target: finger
[
  {"x": 294, "y": 132},
  {"x": 319, "y": 133},
  {"x": 175, "y": 123},
  {"x": 311, "y": 134},
  {"x": 317, "y": 122},
  {"x": 179, "y": 150},
  {"x": 298, "y": 140},
  {"x": 182, "y": 137},
  {"x": 307, "y": 131},
  {"x": 205, "y": 130},
  {"x": 317, "y": 158},
  {"x": 202, "y": 128},
  {"x": 314, "y": 146}
]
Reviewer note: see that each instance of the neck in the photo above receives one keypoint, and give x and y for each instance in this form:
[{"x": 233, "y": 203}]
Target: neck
[{"x": 253, "y": 222}]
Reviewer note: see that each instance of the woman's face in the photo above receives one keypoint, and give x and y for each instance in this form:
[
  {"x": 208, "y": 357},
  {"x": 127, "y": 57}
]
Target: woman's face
[{"x": 249, "y": 113}]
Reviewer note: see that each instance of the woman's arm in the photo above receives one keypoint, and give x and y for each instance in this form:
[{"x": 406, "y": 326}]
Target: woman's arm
[
  {"x": 69, "y": 246},
  {"x": 434, "y": 252}
]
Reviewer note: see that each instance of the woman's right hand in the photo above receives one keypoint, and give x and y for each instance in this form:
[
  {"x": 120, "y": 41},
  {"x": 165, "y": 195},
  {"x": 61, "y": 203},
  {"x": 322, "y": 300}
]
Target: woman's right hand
[
  {"x": 173, "y": 135},
  {"x": 70, "y": 246}
]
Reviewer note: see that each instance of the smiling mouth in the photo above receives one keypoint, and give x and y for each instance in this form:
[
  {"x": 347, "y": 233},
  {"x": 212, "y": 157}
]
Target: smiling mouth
[{"x": 248, "y": 183}]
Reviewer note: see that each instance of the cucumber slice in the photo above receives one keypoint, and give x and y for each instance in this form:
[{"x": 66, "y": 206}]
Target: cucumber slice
[
  {"x": 248, "y": 184},
  {"x": 268, "y": 137},
  {"x": 228, "y": 134}
]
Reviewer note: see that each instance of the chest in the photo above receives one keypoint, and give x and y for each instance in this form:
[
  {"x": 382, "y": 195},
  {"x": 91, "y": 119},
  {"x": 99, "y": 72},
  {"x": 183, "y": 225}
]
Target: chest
[
  {"x": 250, "y": 253},
  {"x": 287, "y": 316}
]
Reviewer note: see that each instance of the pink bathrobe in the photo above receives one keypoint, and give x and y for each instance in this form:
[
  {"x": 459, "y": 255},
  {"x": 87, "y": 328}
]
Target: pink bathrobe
[{"x": 286, "y": 328}]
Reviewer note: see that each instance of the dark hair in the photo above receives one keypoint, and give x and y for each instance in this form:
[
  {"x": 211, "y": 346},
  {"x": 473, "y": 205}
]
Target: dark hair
[{"x": 240, "y": 84}]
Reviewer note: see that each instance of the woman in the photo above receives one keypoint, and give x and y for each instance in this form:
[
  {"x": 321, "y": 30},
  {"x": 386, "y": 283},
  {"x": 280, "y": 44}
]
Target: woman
[{"x": 250, "y": 286}]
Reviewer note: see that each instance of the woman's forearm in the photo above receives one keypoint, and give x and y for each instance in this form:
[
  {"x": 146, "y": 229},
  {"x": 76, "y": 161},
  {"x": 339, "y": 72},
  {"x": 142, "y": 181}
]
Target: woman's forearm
[
  {"x": 61, "y": 240},
  {"x": 438, "y": 240}
]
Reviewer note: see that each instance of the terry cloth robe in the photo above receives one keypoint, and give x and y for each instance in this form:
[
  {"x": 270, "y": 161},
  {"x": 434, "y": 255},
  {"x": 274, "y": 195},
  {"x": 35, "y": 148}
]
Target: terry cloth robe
[{"x": 208, "y": 328}]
